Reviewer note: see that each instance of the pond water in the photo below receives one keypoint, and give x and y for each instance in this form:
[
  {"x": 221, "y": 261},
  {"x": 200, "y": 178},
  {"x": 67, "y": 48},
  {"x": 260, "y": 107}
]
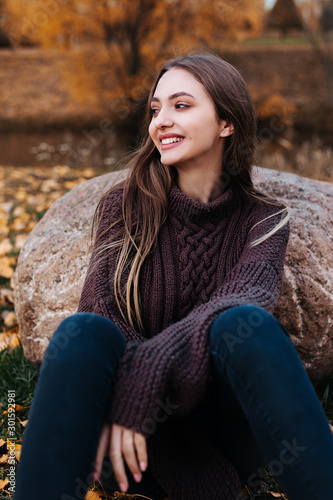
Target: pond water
[
  {"x": 89, "y": 148},
  {"x": 309, "y": 155}
]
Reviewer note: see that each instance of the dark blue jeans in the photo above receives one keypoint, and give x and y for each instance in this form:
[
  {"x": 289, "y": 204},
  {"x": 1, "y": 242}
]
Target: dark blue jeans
[
  {"x": 266, "y": 409},
  {"x": 68, "y": 409}
]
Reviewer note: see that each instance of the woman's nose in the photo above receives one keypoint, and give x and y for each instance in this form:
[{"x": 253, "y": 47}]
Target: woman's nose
[{"x": 163, "y": 119}]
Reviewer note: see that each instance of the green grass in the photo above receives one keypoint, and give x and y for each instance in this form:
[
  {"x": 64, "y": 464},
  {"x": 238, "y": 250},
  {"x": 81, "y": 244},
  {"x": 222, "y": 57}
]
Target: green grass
[
  {"x": 326, "y": 398},
  {"x": 20, "y": 375}
]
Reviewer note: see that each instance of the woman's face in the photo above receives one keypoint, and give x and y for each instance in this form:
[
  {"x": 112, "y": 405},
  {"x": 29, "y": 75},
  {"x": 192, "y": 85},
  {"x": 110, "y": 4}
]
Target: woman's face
[{"x": 184, "y": 125}]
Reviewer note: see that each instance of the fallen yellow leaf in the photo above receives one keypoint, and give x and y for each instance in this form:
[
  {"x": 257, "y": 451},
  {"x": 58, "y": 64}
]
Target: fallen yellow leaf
[
  {"x": 20, "y": 195},
  {"x": 17, "y": 448},
  {"x": 17, "y": 408},
  {"x": 5, "y": 246},
  {"x": 92, "y": 495},
  {"x": 48, "y": 185},
  {"x": 134, "y": 497},
  {"x": 277, "y": 495},
  {"x": 6, "y": 271},
  {"x": 89, "y": 172},
  {"x": 3, "y": 459},
  {"x": 31, "y": 225},
  {"x": 20, "y": 240},
  {"x": 3, "y": 483},
  {"x": 10, "y": 340},
  {"x": 3, "y": 225},
  {"x": 20, "y": 223},
  {"x": 18, "y": 211},
  {"x": 6, "y": 294},
  {"x": 10, "y": 319},
  {"x": 11, "y": 283},
  {"x": 61, "y": 170},
  {"x": 2, "y": 442},
  {"x": 71, "y": 184}
]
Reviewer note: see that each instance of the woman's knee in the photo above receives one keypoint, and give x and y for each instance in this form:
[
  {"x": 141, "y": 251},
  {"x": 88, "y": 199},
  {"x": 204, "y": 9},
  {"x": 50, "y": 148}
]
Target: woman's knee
[
  {"x": 246, "y": 328},
  {"x": 86, "y": 333}
]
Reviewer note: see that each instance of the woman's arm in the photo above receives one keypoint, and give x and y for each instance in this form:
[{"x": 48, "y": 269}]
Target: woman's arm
[
  {"x": 170, "y": 372},
  {"x": 116, "y": 441}
]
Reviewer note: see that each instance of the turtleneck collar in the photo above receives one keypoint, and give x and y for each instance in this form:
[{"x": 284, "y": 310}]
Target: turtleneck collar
[{"x": 184, "y": 207}]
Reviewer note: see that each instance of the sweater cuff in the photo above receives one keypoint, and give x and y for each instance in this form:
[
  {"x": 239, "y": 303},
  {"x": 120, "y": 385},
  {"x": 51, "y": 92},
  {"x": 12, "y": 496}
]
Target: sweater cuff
[
  {"x": 116, "y": 413},
  {"x": 130, "y": 410}
]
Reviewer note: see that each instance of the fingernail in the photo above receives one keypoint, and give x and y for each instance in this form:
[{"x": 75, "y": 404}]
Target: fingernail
[
  {"x": 123, "y": 486},
  {"x": 137, "y": 477},
  {"x": 143, "y": 466}
]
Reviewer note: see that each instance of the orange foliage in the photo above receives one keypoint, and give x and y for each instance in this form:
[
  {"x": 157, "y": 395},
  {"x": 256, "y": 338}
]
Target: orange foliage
[
  {"x": 126, "y": 22},
  {"x": 276, "y": 105},
  {"x": 125, "y": 40}
]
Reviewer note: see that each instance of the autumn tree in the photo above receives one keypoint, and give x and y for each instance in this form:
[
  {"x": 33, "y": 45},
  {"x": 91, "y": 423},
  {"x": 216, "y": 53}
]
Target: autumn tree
[
  {"x": 119, "y": 43},
  {"x": 44, "y": 22},
  {"x": 51, "y": 22},
  {"x": 284, "y": 16},
  {"x": 326, "y": 18},
  {"x": 4, "y": 39},
  {"x": 310, "y": 12}
]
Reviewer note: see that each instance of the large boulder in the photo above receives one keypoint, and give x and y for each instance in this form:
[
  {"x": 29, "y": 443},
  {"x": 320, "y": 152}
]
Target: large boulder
[{"x": 53, "y": 262}]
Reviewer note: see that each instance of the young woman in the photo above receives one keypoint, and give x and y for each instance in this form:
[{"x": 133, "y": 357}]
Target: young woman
[{"x": 174, "y": 366}]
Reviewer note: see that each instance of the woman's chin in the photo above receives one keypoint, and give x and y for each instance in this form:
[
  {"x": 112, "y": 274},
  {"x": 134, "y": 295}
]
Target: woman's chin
[{"x": 171, "y": 159}]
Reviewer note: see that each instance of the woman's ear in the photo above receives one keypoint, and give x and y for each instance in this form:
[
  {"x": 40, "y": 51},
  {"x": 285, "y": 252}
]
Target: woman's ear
[{"x": 227, "y": 128}]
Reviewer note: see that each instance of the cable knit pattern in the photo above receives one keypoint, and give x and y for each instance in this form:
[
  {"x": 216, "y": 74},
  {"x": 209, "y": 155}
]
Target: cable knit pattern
[
  {"x": 198, "y": 249},
  {"x": 202, "y": 265}
]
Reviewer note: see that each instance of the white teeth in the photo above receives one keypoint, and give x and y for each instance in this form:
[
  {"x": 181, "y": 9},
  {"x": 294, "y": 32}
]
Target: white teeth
[{"x": 169, "y": 140}]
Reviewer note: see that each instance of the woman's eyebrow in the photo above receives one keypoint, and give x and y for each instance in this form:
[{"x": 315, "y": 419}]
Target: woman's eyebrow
[{"x": 174, "y": 96}]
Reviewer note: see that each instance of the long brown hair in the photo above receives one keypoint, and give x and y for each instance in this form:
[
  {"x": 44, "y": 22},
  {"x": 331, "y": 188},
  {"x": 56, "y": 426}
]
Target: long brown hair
[{"x": 146, "y": 188}]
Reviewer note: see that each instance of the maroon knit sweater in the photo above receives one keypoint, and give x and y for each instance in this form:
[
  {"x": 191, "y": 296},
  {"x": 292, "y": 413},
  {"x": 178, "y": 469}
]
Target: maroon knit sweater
[{"x": 201, "y": 265}]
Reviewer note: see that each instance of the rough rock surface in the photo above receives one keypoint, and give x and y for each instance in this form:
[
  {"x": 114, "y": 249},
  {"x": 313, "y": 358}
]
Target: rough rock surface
[{"x": 52, "y": 265}]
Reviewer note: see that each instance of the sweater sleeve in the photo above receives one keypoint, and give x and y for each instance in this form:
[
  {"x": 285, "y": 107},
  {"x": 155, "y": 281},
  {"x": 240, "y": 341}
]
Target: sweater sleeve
[{"x": 172, "y": 370}]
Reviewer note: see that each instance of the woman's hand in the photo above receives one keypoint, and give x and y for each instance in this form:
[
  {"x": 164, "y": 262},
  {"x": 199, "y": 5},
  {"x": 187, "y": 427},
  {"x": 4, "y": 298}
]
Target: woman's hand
[{"x": 116, "y": 441}]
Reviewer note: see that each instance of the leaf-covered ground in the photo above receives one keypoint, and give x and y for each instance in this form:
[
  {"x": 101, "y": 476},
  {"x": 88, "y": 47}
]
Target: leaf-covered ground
[{"x": 25, "y": 195}]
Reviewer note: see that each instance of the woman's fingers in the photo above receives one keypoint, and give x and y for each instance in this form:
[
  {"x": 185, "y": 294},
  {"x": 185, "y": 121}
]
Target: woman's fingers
[
  {"x": 141, "y": 450},
  {"x": 101, "y": 450},
  {"x": 116, "y": 456},
  {"x": 132, "y": 446},
  {"x": 128, "y": 447}
]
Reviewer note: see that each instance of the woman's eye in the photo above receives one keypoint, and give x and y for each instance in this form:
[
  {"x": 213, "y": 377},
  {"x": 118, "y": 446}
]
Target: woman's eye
[
  {"x": 182, "y": 106},
  {"x": 155, "y": 111}
]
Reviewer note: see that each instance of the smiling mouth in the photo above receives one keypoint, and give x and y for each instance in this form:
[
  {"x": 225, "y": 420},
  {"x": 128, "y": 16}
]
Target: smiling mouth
[{"x": 170, "y": 140}]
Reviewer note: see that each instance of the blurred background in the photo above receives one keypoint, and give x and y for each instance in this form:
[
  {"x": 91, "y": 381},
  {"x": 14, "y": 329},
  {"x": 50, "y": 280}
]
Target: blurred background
[{"x": 74, "y": 74}]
